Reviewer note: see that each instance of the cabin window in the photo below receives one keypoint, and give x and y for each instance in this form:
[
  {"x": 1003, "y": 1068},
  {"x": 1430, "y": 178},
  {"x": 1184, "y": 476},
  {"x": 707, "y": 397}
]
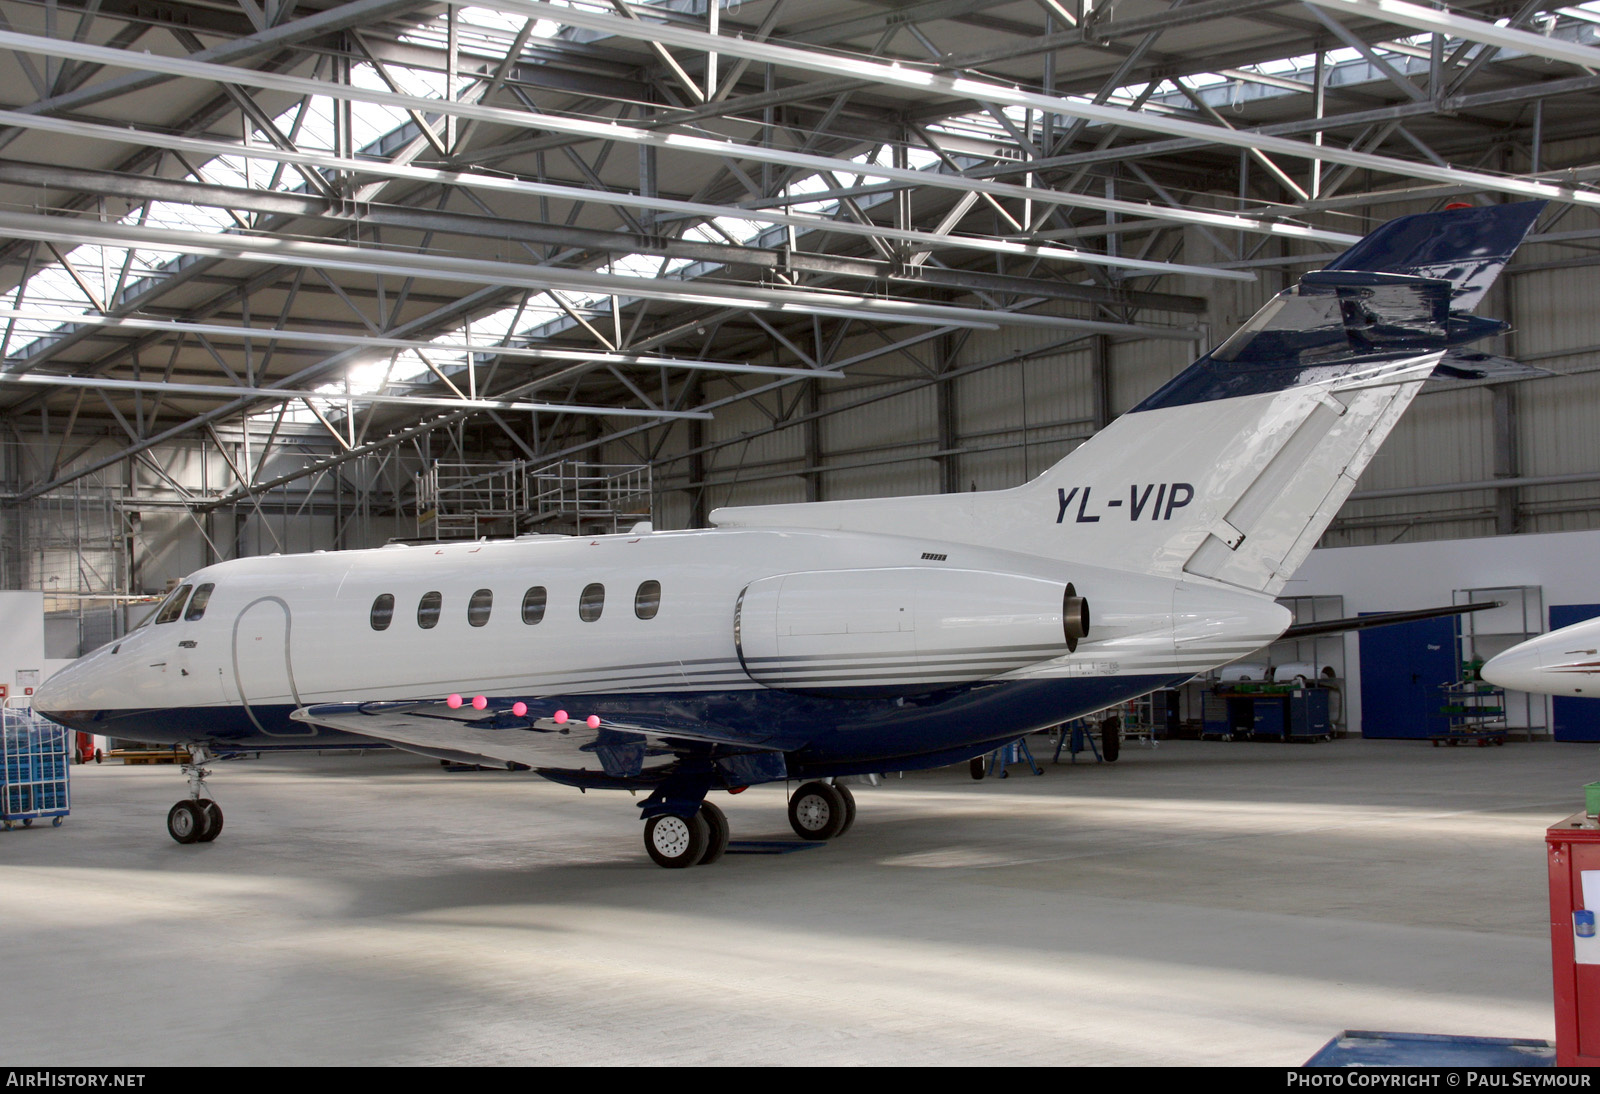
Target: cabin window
[
  {"x": 197, "y": 603},
  {"x": 428, "y": 609},
  {"x": 647, "y": 601},
  {"x": 174, "y": 605},
  {"x": 592, "y": 602},
  {"x": 478, "y": 607},
  {"x": 533, "y": 602},
  {"x": 382, "y": 612}
]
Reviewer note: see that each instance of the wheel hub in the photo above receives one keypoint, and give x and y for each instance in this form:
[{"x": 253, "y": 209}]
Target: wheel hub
[
  {"x": 671, "y": 836},
  {"x": 813, "y": 812}
]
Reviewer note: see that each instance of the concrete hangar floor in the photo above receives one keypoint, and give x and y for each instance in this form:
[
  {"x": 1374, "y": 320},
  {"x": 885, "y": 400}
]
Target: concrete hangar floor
[{"x": 1203, "y": 903}]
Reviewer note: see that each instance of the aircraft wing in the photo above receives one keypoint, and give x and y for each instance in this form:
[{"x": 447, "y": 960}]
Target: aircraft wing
[{"x": 622, "y": 746}]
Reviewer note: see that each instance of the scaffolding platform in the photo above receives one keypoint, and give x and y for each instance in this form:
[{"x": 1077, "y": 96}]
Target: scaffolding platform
[{"x": 466, "y": 500}]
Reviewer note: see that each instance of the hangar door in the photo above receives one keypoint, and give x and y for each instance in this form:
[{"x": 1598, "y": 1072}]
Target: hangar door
[
  {"x": 1402, "y": 668},
  {"x": 1573, "y": 718}
]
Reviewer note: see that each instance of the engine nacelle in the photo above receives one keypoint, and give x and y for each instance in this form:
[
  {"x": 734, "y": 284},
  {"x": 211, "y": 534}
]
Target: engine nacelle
[{"x": 901, "y": 631}]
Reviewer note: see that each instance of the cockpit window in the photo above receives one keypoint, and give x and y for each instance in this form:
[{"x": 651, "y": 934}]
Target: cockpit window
[
  {"x": 172, "y": 607},
  {"x": 197, "y": 603}
]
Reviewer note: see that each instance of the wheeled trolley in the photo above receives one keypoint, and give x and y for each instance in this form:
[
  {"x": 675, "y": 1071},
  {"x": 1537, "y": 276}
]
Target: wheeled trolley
[{"x": 33, "y": 766}]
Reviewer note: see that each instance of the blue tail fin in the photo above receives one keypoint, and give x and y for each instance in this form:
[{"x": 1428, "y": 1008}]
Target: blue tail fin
[{"x": 1231, "y": 472}]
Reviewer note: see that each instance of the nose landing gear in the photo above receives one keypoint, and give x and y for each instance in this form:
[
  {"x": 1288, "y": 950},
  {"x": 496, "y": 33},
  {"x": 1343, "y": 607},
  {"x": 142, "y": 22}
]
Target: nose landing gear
[{"x": 196, "y": 819}]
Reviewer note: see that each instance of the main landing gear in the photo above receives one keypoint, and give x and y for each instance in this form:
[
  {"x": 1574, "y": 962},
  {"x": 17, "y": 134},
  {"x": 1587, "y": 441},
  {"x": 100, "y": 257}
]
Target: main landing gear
[
  {"x": 822, "y": 811},
  {"x": 676, "y": 842},
  {"x": 196, "y": 819},
  {"x": 817, "y": 811}
]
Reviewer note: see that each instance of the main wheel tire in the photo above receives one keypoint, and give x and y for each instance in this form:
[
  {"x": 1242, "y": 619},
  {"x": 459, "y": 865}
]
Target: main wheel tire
[
  {"x": 213, "y": 813},
  {"x": 186, "y": 822},
  {"x": 977, "y": 767},
  {"x": 817, "y": 811},
  {"x": 717, "y": 832},
  {"x": 676, "y": 842},
  {"x": 1111, "y": 739}
]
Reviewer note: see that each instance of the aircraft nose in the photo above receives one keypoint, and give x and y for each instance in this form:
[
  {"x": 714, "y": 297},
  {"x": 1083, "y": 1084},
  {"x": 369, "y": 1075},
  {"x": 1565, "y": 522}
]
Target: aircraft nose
[
  {"x": 1519, "y": 669},
  {"x": 47, "y": 697},
  {"x": 62, "y": 697}
]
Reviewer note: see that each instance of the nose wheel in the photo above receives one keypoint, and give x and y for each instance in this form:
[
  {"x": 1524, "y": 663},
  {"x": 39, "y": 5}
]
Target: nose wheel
[
  {"x": 822, "y": 811},
  {"x": 196, "y": 819}
]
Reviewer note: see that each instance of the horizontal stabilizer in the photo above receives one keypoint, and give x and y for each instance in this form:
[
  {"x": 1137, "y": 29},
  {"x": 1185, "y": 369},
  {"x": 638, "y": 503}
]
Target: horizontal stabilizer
[
  {"x": 1459, "y": 365},
  {"x": 1468, "y": 247}
]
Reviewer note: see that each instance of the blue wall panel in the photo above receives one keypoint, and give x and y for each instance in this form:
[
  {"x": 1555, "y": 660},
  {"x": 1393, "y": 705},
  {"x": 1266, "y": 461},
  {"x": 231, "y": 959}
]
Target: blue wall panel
[{"x": 1572, "y": 718}]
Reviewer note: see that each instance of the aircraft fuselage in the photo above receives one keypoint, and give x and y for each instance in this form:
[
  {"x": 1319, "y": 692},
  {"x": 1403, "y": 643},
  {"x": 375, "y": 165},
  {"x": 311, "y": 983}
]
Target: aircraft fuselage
[{"x": 898, "y": 648}]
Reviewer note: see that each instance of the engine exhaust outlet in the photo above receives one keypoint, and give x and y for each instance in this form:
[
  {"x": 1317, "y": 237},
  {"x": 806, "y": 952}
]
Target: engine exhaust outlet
[{"x": 1074, "y": 617}]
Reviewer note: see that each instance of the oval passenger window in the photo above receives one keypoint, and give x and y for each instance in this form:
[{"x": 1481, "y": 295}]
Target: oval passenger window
[
  {"x": 533, "y": 602},
  {"x": 592, "y": 603},
  {"x": 647, "y": 601},
  {"x": 382, "y": 612},
  {"x": 478, "y": 607},
  {"x": 428, "y": 610}
]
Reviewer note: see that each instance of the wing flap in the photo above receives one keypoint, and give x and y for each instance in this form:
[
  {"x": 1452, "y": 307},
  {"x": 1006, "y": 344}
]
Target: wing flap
[{"x": 628, "y": 747}]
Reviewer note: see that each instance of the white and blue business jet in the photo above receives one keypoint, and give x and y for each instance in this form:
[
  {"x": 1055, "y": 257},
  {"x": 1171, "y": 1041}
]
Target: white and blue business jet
[{"x": 814, "y": 641}]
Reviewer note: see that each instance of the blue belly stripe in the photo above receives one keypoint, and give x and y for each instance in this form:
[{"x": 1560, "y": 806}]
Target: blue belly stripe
[{"x": 839, "y": 731}]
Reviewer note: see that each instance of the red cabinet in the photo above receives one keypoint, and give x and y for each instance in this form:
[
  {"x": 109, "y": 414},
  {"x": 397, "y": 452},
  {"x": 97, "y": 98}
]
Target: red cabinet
[{"x": 1573, "y": 848}]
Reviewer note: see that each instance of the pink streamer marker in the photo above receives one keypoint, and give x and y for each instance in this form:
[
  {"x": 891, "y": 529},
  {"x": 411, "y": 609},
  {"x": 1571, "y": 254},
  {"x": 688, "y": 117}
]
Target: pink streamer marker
[{"x": 454, "y": 702}]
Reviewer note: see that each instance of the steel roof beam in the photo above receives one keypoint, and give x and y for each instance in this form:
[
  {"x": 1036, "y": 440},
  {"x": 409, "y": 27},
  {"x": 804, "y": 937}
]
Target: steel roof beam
[
  {"x": 297, "y": 204},
  {"x": 397, "y": 345},
  {"x": 337, "y": 18},
  {"x": 595, "y": 129},
  {"x": 264, "y": 394},
  {"x": 1461, "y": 26},
  {"x": 1450, "y": 105},
  {"x": 329, "y": 256},
  {"x": 310, "y": 374},
  {"x": 962, "y": 87}
]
